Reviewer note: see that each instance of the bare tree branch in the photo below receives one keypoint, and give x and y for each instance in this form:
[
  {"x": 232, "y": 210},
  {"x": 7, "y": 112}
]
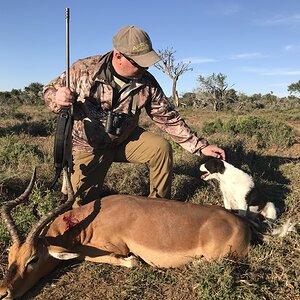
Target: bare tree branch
[{"x": 174, "y": 70}]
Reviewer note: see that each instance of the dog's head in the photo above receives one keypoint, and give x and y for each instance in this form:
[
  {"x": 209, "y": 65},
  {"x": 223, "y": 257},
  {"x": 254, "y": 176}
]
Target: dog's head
[{"x": 212, "y": 168}]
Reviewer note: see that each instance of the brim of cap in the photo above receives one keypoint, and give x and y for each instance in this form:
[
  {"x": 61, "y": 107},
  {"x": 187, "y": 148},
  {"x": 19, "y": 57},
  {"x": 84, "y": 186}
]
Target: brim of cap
[{"x": 146, "y": 60}]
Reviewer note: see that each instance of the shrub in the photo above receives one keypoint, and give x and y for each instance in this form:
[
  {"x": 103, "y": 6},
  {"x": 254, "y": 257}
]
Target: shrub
[
  {"x": 25, "y": 216},
  {"x": 213, "y": 127},
  {"x": 14, "y": 152},
  {"x": 267, "y": 132},
  {"x": 11, "y": 111}
]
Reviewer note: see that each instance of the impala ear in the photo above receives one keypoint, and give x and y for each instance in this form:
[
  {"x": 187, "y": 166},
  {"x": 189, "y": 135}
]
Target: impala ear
[{"x": 61, "y": 253}]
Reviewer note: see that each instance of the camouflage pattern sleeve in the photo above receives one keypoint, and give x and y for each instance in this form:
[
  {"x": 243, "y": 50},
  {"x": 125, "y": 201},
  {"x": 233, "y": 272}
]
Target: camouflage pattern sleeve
[
  {"x": 50, "y": 91},
  {"x": 162, "y": 112},
  {"x": 81, "y": 77}
]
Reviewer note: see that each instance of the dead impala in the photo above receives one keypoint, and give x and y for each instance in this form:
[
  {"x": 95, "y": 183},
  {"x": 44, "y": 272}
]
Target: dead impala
[{"x": 164, "y": 233}]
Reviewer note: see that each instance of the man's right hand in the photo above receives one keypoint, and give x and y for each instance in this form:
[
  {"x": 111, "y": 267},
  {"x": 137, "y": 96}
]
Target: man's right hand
[{"x": 64, "y": 97}]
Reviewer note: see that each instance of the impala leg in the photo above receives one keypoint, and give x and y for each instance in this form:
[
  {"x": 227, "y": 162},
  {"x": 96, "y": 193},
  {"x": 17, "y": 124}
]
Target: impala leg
[
  {"x": 112, "y": 259},
  {"x": 64, "y": 187}
]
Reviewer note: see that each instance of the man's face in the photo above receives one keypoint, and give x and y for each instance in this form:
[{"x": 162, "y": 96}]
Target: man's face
[{"x": 127, "y": 67}]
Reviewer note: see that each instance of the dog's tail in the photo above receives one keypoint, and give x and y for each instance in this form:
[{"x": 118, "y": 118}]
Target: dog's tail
[
  {"x": 263, "y": 230},
  {"x": 287, "y": 227}
]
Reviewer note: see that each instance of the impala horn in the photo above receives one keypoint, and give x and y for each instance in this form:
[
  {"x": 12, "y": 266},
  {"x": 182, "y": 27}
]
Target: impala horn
[
  {"x": 37, "y": 229},
  {"x": 10, "y": 205}
]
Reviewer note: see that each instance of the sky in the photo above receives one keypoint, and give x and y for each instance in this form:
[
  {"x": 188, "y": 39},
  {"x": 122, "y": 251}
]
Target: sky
[{"x": 255, "y": 43}]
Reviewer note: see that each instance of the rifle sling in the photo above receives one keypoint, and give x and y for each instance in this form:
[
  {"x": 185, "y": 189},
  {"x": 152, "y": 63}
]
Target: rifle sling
[{"x": 62, "y": 137}]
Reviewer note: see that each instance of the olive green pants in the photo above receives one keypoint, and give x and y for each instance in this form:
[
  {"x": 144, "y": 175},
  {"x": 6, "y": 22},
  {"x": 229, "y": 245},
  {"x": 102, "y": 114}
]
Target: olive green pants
[{"x": 90, "y": 169}]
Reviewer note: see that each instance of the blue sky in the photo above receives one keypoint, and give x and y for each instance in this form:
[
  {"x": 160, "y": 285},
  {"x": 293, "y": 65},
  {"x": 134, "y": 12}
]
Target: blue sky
[{"x": 254, "y": 43}]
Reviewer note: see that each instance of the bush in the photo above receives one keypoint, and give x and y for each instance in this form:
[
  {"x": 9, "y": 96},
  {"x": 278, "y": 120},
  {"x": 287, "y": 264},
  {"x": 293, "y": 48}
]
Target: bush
[
  {"x": 267, "y": 132},
  {"x": 213, "y": 127},
  {"x": 26, "y": 214},
  {"x": 14, "y": 152}
]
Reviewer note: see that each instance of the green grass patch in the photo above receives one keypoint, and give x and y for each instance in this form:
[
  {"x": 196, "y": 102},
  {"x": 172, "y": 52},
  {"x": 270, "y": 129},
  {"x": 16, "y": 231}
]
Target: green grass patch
[{"x": 266, "y": 132}]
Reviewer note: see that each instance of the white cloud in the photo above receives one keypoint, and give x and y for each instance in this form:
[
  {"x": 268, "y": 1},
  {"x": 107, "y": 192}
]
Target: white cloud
[
  {"x": 273, "y": 71},
  {"x": 292, "y": 47},
  {"x": 280, "y": 72},
  {"x": 247, "y": 55},
  {"x": 230, "y": 9},
  {"x": 282, "y": 20},
  {"x": 223, "y": 9},
  {"x": 278, "y": 85},
  {"x": 198, "y": 60}
]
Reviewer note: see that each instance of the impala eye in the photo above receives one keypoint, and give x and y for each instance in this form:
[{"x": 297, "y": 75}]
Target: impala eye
[
  {"x": 34, "y": 260},
  {"x": 31, "y": 261}
]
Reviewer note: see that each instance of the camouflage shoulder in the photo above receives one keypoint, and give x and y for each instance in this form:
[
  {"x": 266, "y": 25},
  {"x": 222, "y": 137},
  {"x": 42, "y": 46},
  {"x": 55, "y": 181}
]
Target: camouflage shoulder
[{"x": 88, "y": 60}]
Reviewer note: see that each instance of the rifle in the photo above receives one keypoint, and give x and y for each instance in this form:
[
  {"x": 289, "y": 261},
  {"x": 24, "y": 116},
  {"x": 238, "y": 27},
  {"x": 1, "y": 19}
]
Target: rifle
[{"x": 63, "y": 135}]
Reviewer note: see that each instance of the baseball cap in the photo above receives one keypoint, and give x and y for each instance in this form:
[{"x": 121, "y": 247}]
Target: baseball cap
[{"x": 136, "y": 44}]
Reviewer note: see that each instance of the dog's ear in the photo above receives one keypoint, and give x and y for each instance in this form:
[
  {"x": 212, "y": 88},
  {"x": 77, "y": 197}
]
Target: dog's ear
[{"x": 215, "y": 165}]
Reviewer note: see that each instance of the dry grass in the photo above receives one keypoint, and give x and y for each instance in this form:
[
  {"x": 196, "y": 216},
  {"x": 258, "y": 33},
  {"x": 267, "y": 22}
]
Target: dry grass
[{"x": 271, "y": 271}]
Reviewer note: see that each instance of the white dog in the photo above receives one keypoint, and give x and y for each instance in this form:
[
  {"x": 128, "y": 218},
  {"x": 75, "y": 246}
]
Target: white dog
[{"x": 238, "y": 189}]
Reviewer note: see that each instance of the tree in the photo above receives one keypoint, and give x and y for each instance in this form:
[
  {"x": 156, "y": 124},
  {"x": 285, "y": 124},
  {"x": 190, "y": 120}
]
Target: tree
[
  {"x": 216, "y": 87},
  {"x": 34, "y": 88},
  {"x": 173, "y": 69},
  {"x": 33, "y": 93},
  {"x": 188, "y": 99},
  {"x": 294, "y": 87}
]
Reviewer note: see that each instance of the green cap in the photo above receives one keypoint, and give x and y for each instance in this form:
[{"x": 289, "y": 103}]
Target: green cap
[{"x": 136, "y": 44}]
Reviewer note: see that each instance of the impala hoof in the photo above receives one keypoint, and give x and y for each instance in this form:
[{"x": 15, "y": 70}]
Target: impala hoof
[{"x": 131, "y": 261}]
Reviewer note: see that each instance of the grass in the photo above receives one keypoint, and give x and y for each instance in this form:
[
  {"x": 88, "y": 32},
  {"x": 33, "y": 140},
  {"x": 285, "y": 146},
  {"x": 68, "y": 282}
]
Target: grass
[{"x": 270, "y": 271}]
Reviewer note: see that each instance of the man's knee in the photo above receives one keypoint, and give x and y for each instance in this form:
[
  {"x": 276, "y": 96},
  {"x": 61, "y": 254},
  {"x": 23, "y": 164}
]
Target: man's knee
[
  {"x": 159, "y": 145},
  {"x": 163, "y": 152},
  {"x": 164, "y": 147}
]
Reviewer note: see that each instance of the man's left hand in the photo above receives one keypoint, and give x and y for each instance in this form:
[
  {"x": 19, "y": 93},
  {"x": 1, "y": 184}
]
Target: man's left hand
[{"x": 214, "y": 151}]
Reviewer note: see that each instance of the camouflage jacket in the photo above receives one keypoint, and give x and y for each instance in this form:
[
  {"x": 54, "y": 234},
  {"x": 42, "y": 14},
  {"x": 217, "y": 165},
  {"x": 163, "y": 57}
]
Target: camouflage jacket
[{"x": 96, "y": 93}]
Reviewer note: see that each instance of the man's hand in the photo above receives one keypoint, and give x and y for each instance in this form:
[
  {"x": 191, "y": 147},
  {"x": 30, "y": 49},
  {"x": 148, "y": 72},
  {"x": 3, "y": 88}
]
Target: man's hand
[
  {"x": 64, "y": 97},
  {"x": 214, "y": 151}
]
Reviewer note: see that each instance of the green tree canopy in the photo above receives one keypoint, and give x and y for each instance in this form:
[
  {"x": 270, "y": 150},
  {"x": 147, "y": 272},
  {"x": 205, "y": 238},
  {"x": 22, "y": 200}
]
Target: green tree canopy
[
  {"x": 34, "y": 88},
  {"x": 294, "y": 87},
  {"x": 216, "y": 87}
]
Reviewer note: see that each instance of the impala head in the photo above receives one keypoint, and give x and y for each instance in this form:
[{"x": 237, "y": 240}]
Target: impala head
[
  {"x": 31, "y": 258},
  {"x": 27, "y": 263}
]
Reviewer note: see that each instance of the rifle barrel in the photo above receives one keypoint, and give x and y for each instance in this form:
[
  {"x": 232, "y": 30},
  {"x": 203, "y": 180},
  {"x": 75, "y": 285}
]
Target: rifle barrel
[{"x": 67, "y": 48}]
